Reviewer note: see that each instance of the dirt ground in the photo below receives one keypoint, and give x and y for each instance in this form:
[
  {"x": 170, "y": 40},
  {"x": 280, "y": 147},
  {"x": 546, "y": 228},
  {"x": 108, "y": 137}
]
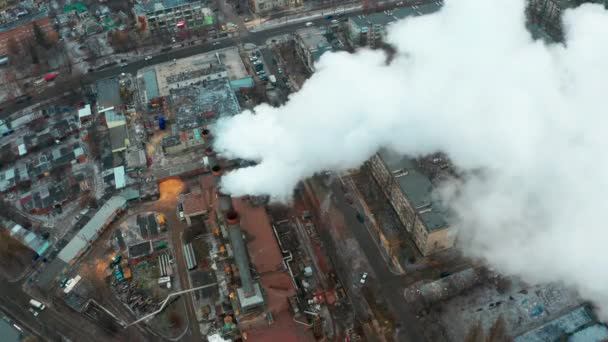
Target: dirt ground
[{"x": 14, "y": 257}]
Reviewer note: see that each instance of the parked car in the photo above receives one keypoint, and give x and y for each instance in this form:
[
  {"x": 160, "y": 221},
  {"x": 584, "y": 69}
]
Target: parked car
[
  {"x": 34, "y": 312},
  {"x": 280, "y": 71},
  {"x": 148, "y": 58},
  {"x": 363, "y": 278},
  {"x": 180, "y": 209},
  {"x": 309, "y": 24},
  {"x": 122, "y": 65},
  {"x": 216, "y": 43}
]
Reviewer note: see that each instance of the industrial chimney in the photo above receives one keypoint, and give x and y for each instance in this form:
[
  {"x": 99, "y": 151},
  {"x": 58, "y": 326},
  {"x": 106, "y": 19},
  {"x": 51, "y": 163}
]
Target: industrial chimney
[{"x": 240, "y": 251}]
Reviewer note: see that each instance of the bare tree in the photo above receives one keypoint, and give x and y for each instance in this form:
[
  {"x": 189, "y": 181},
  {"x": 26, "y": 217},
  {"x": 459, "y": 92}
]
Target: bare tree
[
  {"x": 475, "y": 333},
  {"x": 498, "y": 331}
]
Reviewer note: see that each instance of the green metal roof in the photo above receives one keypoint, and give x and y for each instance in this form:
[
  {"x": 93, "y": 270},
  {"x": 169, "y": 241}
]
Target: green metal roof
[{"x": 79, "y": 7}]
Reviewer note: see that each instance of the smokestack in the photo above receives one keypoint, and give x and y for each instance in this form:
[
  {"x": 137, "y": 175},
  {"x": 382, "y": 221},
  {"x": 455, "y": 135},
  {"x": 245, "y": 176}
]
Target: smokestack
[
  {"x": 206, "y": 133},
  {"x": 232, "y": 217}
]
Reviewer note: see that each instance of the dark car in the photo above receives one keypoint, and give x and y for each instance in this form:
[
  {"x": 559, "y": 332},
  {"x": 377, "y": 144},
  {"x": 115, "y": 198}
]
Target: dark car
[{"x": 360, "y": 217}]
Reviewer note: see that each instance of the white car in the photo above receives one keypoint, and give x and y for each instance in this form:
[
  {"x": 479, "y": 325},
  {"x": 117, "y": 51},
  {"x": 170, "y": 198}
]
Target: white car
[
  {"x": 148, "y": 58},
  {"x": 363, "y": 278},
  {"x": 34, "y": 312},
  {"x": 309, "y": 24},
  {"x": 123, "y": 65}
]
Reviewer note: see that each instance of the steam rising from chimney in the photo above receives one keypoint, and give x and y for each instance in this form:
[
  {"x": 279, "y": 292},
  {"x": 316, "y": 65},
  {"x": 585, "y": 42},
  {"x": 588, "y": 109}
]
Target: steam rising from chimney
[{"x": 469, "y": 81}]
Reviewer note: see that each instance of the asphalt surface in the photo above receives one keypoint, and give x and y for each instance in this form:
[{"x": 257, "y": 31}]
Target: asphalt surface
[
  {"x": 58, "y": 321},
  {"x": 390, "y": 284},
  {"x": 54, "y": 323},
  {"x": 258, "y": 38}
]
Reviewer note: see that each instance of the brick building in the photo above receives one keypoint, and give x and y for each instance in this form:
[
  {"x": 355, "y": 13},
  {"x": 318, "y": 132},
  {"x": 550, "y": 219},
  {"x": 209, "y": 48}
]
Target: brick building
[
  {"x": 410, "y": 193},
  {"x": 22, "y": 29}
]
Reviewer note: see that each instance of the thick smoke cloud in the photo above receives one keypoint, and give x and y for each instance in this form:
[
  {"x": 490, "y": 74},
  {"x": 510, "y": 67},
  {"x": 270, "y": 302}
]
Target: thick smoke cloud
[{"x": 469, "y": 81}]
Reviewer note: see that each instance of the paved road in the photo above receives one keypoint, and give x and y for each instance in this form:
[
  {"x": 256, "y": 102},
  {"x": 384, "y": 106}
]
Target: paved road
[
  {"x": 55, "y": 322},
  {"x": 258, "y": 38},
  {"x": 167, "y": 205},
  {"x": 390, "y": 284}
]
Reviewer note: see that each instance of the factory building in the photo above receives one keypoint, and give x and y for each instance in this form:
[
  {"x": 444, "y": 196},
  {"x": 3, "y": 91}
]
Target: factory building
[
  {"x": 409, "y": 192},
  {"x": 157, "y": 16}
]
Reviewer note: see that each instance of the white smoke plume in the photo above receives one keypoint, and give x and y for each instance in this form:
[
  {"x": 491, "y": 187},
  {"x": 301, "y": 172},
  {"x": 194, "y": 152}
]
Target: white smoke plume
[{"x": 470, "y": 81}]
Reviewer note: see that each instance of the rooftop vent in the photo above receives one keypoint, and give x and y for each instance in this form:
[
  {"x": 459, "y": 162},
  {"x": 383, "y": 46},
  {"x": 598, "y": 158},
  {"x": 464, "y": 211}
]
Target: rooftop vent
[{"x": 216, "y": 170}]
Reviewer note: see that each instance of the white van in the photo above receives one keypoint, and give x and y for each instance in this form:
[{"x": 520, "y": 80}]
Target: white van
[{"x": 36, "y": 304}]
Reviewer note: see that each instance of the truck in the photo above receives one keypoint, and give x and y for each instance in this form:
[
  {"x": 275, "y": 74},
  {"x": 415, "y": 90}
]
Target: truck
[
  {"x": 272, "y": 79},
  {"x": 37, "y": 305}
]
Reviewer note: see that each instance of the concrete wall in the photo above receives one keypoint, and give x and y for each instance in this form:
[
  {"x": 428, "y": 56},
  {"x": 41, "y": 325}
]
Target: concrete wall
[{"x": 427, "y": 242}]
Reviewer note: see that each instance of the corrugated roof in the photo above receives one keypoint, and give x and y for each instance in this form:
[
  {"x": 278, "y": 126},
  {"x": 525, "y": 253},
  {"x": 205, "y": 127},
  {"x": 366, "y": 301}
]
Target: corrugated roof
[
  {"x": 246, "y": 82},
  {"x": 563, "y": 325},
  {"x": 84, "y": 112},
  {"x": 120, "y": 179},
  {"x": 118, "y": 137},
  {"x": 151, "y": 84},
  {"x": 92, "y": 228}
]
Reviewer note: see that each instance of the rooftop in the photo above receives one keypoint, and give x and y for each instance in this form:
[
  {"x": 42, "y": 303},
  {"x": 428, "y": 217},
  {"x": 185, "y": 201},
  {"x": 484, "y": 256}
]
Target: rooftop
[
  {"x": 194, "y": 203},
  {"x": 25, "y": 19},
  {"x": 90, "y": 231},
  {"x": 108, "y": 93},
  {"x": 118, "y": 137},
  {"x": 387, "y": 17},
  {"x": 159, "y": 5},
  {"x": 314, "y": 41},
  {"x": 252, "y": 301},
  {"x": 140, "y": 249},
  {"x": 523, "y": 307},
  {"x": 563, "y": 325},
  {"x": 85, "y": 111},
  {"x": 79, "y": 7},
  {"x": 417, "y": 188},
  {"x": 219, "y": 63},
  {"x": 151, "y": 84},
  {"x": 120, "y": 178},
  {"x": 198, "y": 106}
]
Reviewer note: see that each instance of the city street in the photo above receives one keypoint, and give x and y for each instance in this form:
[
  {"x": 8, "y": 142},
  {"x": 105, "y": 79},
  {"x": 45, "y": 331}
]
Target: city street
[
  {"x": 258, "y": 38},
  {"x": 390, "y": 284}
]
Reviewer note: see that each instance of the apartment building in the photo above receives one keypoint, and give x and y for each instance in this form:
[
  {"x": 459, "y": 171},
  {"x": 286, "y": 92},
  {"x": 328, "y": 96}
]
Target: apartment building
[
  {"x": 158, "y": 16},
  {"x": 264, "y": 6},
  {"x": 311, "y": 44},
  {"x": 410, "y": 194}
]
